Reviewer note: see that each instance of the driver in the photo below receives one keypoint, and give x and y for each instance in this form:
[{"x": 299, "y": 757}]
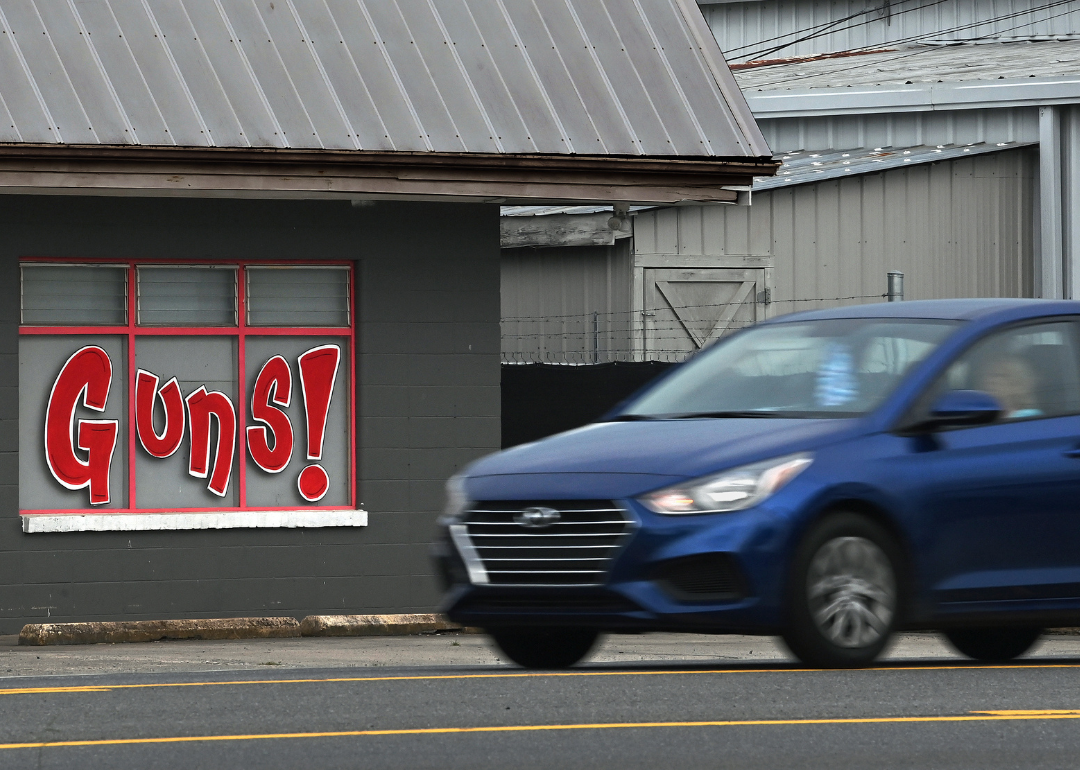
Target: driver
[{"x": 1010, "y": 379}]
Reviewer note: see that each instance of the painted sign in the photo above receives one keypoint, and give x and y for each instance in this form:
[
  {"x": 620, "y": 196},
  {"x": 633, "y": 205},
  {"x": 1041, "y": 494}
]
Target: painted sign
[{"x": 79, "y": 452}]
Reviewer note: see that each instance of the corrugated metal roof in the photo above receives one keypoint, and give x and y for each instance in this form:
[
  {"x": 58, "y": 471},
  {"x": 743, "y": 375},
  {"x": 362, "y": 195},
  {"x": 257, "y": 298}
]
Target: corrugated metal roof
[
  {"x": 807, "y": 167},
  {"x": 593, "y": 77},
  {"x": 920, "y": 64}
]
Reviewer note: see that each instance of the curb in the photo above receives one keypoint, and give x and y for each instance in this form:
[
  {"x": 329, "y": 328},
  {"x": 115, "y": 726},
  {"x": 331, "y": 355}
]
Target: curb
[
  {"x": 114, "y": 632},
  {"x": 374, "y": 625},
  {"x": 40, "y": 634}
]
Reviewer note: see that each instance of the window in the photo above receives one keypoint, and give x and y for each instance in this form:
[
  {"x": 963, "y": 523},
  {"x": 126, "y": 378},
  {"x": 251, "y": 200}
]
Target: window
[
  {"x": 152, "y": 387},
  {"x": 824, "y": 368},
  {"x": 1032, "y": 370}
]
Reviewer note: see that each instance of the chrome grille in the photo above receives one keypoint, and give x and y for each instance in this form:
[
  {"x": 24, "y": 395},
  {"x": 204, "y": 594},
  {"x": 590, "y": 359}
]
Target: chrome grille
[{"x": 576, "y": 550}]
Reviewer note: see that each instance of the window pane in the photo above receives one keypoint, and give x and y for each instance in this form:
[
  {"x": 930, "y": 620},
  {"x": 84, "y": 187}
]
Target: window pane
[
  {"x": 74, "y": 295},
  {"x": 298, "y": 296},
  {"x": 187, "y": 296},
  {"x": 827, "y": 367},
  {"x": 196, "y": 362},
  {"x": 281, "y": 489},
  {"x": 41, "y": 360},
  {"x": 1032, "y": 370}
]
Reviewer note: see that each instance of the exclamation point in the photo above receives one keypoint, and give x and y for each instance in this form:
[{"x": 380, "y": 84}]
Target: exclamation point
[{"x": 318, "y": 372}]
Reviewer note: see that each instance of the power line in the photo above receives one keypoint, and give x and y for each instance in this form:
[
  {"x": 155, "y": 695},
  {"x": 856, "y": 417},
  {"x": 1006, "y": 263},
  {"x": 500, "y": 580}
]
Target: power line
[
  {"x": 878, "y": 62},
  {"x": 947, "y": 30},
  {"x": 821, "y": 30}
]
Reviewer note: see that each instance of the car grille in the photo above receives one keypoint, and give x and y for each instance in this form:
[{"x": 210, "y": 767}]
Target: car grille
[
  {"x": 574, "y": 550},
  {"x": 701, "y": 577}
]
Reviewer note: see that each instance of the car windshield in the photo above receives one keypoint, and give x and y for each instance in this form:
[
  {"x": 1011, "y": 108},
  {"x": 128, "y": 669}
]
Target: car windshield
[{"x": 840, "y": 367}]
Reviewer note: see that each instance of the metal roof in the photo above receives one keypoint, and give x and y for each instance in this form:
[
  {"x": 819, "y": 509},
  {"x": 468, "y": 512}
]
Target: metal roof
[
  {"x": 589, "y": 77},
  {"x": 807, "y": 167},
  {"x": 802, "y": 167},
  {"x": 919, "y": 64}
]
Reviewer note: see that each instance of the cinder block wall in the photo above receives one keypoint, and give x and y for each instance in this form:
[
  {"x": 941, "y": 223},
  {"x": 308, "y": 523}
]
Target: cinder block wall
[{"x": 427, "y": 386}]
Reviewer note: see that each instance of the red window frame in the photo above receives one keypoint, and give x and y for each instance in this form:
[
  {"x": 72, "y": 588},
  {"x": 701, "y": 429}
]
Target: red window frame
[{"x": 241, "y": 331}]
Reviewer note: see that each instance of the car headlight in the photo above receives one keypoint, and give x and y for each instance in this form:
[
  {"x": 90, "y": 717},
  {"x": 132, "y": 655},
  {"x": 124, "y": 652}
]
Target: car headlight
[
  {"x": 732, "y": 490},
  {"x": 457, "y": 501}
]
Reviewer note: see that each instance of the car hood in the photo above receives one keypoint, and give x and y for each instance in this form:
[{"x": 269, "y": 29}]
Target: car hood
[{"x": 671, "y": 449}]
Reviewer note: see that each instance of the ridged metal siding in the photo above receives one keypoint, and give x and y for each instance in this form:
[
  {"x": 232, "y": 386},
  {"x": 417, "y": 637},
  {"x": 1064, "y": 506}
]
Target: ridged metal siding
[
  {"x": 599, "y": 77},
  {"x": 960, "y": 228},
  {"x": 549, "y": 296},
  {"x": 903, "y": 129},
  {"x": 746, "y": 30}
]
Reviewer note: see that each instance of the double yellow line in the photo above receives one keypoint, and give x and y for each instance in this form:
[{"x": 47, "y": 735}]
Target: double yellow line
[
  {"x": 977, "y": 716},
  {"x": 515, "y": 675}
]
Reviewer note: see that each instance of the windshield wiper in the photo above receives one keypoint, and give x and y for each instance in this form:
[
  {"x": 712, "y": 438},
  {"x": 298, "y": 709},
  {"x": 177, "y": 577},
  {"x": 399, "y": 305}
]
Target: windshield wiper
[
  {"x": 631, "y": 418},
  {"x": 747, "y": 413}
]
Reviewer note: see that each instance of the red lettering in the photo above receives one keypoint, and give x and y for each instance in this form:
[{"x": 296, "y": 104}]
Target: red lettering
[
  {"x": 87, "y": 375},
  {"x": 146, "y": 390},
  {"x": 273, "y": 386},
  {"x": 201, "y": 407},
  {"x": 318, "y": 372}
]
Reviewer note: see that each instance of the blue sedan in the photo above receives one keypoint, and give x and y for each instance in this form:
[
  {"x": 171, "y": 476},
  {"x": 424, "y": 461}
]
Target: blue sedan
[{"x": 830, "y": 476}]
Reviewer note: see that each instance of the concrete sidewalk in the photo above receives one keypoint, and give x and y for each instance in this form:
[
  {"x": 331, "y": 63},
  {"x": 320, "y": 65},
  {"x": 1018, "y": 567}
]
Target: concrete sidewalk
[{"x": 427, "y": 651}]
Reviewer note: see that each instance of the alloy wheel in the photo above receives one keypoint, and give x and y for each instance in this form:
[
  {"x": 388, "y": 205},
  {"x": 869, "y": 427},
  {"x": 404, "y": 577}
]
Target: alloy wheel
[{"x": 851, "y": 591}]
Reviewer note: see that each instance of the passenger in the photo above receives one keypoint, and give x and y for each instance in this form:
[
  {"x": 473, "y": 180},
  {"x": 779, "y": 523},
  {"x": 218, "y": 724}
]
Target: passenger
[{"x": 1011, "y": 381}]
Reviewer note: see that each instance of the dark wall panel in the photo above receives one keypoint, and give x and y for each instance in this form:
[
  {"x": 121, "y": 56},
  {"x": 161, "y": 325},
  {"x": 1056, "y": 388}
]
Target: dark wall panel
[
  {"x": 542, "y": 399},
  {"x": 428, "y": 391}
]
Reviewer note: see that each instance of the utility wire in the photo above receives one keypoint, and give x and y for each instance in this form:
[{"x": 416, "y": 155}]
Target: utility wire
[
  {"x": 817, "y": 27},
  {"x": 878, "y": 62},
  {"x": 958, "y": 28},
  {"x": 824, "y": 30}
]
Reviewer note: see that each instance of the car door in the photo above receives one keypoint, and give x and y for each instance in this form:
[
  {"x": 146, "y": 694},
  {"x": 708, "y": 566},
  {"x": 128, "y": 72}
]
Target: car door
[{"x": 1002, "y": 514}]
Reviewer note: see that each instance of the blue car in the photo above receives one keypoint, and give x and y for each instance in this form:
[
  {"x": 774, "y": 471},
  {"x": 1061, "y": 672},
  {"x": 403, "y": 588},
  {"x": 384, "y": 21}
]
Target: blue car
[{"x": 830, "y": 477}]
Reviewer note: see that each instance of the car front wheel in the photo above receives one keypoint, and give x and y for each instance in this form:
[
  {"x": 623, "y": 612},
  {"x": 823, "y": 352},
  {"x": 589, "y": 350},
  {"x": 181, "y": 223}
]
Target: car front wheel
[
  {"x": 993, "y": 644},
  {"x": 844, "y": 593},
  {"x": 543, "y": 647}
]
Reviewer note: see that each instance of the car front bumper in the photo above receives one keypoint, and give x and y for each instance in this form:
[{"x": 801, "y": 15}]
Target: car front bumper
[{"x": 717, "y": 573}]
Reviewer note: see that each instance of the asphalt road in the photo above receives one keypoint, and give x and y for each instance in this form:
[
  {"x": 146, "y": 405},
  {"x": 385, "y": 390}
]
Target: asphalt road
[{"x": 923, "y": 707}]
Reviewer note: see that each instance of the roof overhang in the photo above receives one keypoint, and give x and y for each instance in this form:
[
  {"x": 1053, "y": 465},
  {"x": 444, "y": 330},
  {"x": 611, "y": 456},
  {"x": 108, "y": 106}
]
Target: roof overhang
[
  {"x": 914, "y": 97},
  {"x": 357, "y": 175}
]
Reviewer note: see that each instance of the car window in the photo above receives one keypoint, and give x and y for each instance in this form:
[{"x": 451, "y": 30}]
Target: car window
[
  {"x": 1033, "y": 370},
  {"x": 830, "y": 367}
]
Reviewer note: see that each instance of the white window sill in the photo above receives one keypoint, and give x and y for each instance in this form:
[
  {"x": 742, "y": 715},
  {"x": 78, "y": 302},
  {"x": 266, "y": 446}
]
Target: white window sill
[{"x": 136, "y": 522}]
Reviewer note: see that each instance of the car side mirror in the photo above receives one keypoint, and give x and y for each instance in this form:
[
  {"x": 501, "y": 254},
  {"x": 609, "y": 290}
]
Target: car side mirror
[{"x": 963, "y": 408}]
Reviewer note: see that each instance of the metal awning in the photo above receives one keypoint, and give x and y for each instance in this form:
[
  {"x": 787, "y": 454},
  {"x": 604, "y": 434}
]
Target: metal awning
[
  {"x": 801, "y": 167},
  {"x": 806, "y": 167}
]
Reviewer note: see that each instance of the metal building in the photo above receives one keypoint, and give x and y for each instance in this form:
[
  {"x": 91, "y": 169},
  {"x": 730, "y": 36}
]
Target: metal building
[
  {"x": 890, "y": 94},
  {"x": 250, "y": 274},
  {"x": 821, "y": 235}
]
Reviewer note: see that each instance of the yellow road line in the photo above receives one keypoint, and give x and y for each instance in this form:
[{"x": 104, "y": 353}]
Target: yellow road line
[
  {"x": 974, "y": 717},
  {"x": 522, "y": 675}
]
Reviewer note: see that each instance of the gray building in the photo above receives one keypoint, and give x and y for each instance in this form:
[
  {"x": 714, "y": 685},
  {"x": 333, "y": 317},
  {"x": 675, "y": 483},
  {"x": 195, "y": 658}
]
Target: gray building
[
  {"x": 250, "y": 264},
  {"x": 936, "y": 139}
]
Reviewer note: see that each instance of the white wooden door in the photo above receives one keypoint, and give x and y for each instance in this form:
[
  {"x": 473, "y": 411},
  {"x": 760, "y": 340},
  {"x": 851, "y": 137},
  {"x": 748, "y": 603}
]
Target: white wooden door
[{"x": 686, "y": 309}]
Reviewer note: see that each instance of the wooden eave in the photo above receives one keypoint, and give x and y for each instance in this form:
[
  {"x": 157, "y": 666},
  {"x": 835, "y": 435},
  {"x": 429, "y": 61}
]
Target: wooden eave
[{"x": 230, "y": 172}]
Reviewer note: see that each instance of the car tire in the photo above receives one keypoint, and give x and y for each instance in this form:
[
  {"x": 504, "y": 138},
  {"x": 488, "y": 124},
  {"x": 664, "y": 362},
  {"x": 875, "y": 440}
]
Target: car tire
[
  {"x": 844, "y": 592},
  {"x": 544, "y": 648},
  {"x": 993, "y": 645}
]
